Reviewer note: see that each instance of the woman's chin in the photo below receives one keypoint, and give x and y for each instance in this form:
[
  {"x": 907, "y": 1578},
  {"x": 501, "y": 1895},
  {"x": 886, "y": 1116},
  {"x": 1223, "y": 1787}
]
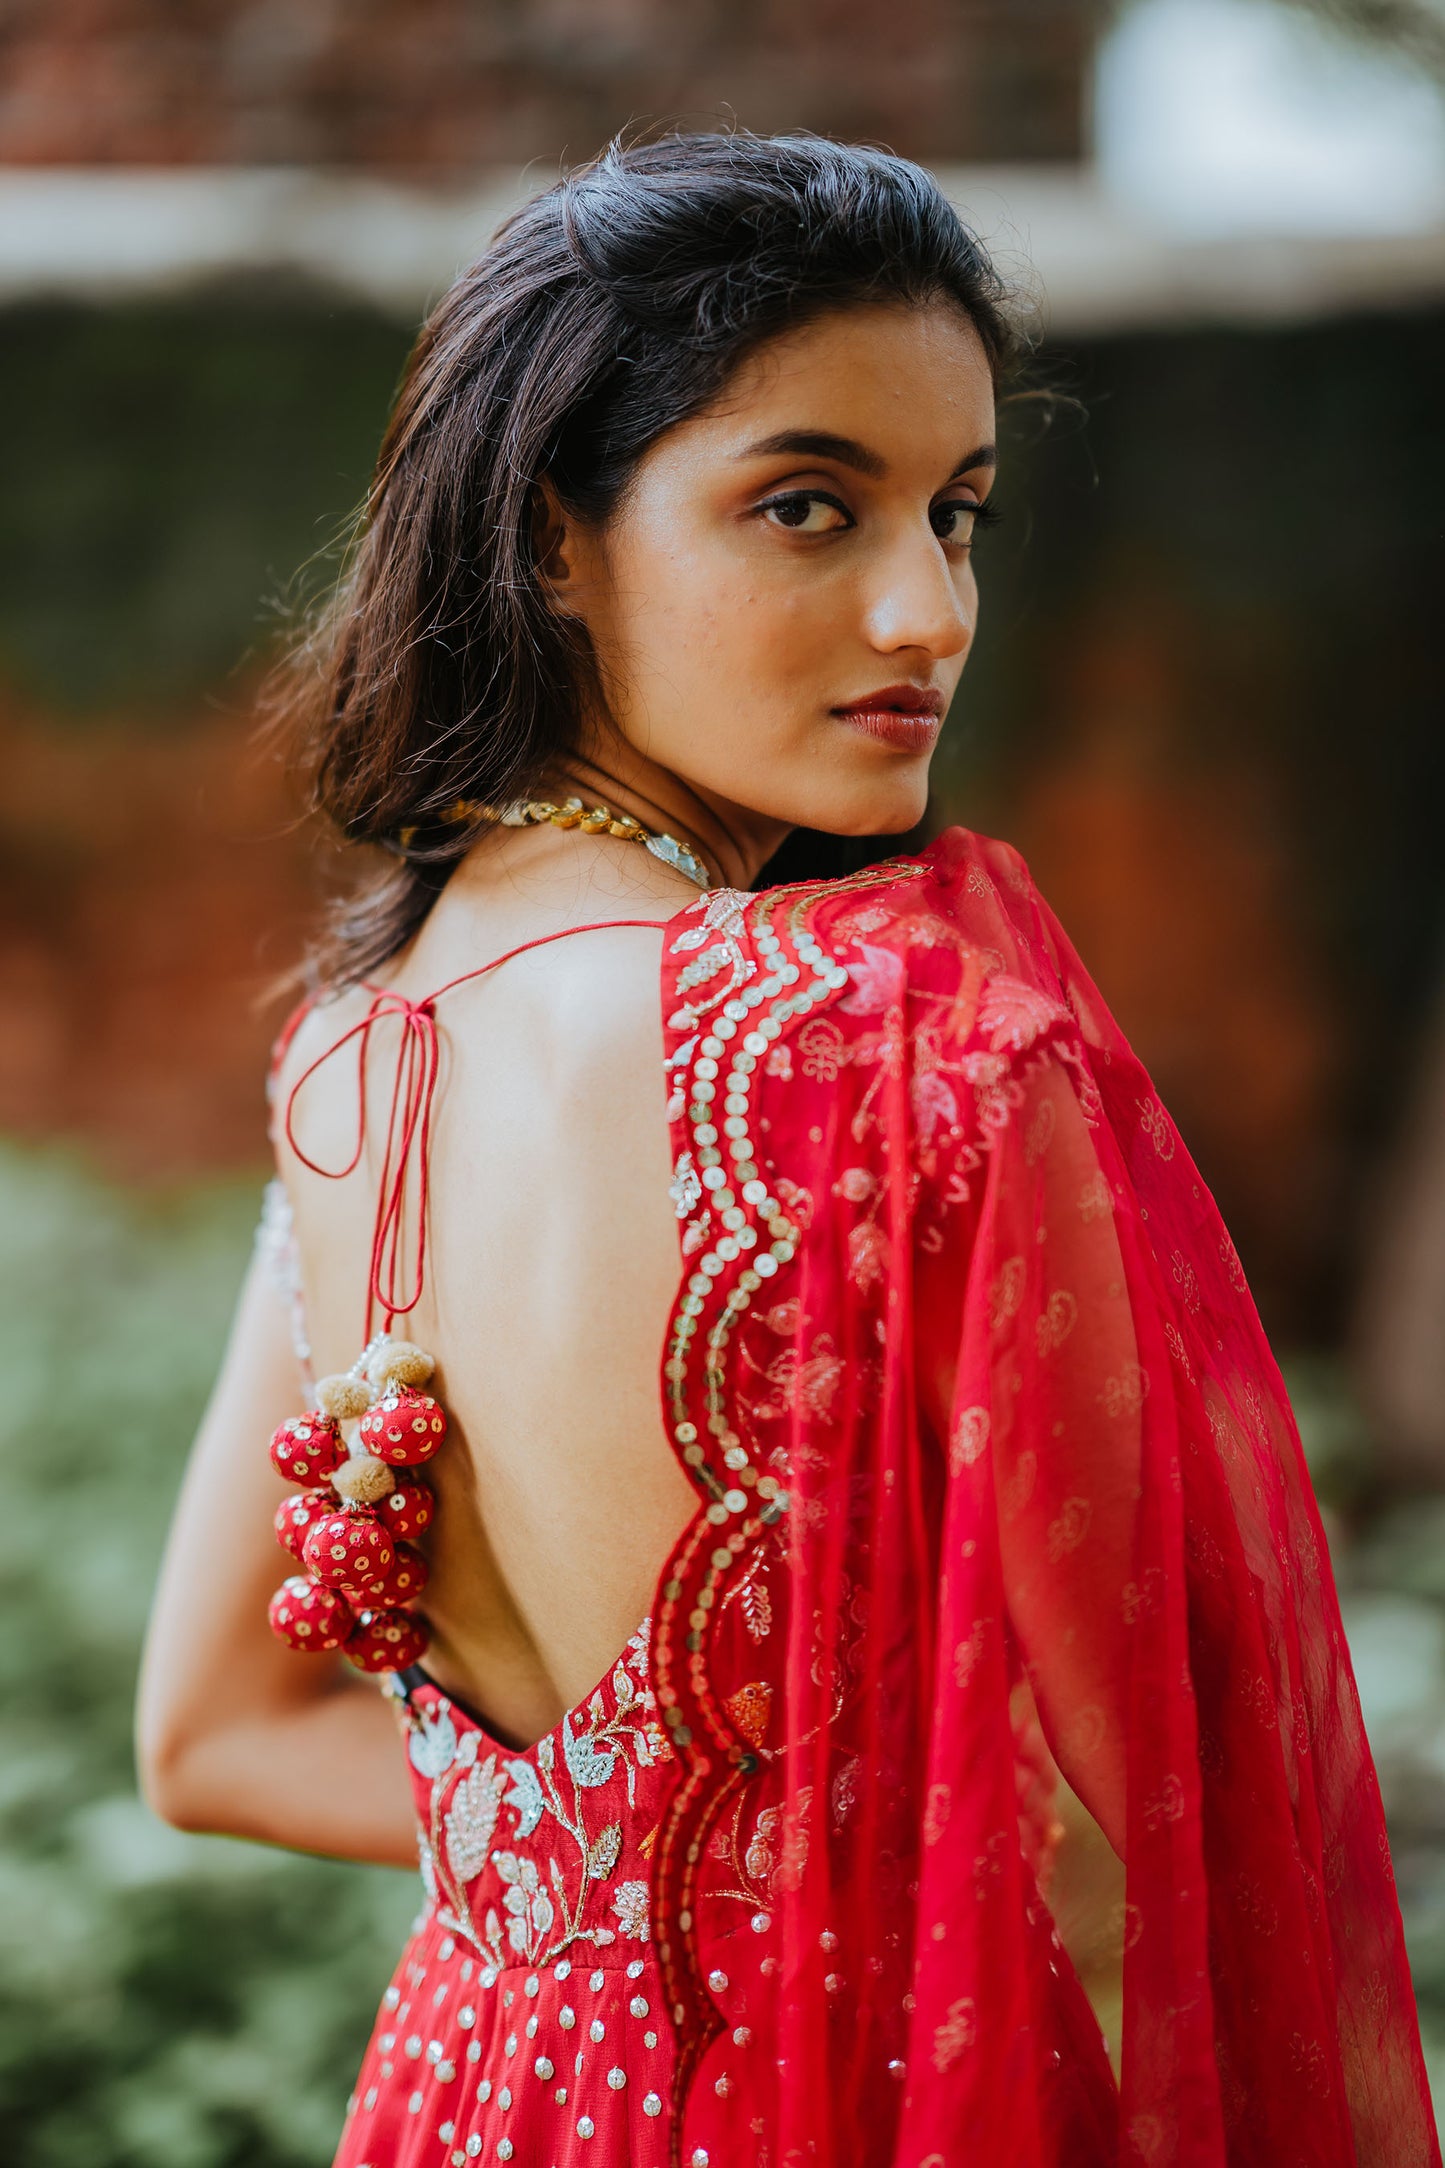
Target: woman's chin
[{"x": 875, "y": 813}]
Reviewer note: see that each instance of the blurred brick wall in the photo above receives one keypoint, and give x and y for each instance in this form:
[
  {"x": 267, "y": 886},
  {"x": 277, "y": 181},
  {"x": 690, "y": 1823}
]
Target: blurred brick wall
[
  {"x": 153, "y": 888},
  {"x": 433, "y": 87}
]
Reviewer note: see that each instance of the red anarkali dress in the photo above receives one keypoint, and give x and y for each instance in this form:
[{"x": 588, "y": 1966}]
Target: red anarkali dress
[{"x": 965, "y": 1373}]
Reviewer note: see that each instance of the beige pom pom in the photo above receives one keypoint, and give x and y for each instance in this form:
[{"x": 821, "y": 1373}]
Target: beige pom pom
[
  {"x": 362, "y": 1480},
  {"x": 343, "y": 1396},
  {"x": 399, "y": 1362}
]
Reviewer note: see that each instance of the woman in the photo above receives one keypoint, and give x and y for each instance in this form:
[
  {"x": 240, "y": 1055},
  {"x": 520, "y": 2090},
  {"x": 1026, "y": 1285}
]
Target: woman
[{"x": 721, "y": 1741}]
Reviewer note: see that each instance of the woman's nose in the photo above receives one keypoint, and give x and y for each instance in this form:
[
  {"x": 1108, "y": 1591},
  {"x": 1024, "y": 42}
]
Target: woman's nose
[{"x": 919, "y": 601}]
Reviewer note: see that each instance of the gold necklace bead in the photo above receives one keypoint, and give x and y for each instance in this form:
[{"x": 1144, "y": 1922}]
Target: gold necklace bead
[{"x": 593, "y": 820}]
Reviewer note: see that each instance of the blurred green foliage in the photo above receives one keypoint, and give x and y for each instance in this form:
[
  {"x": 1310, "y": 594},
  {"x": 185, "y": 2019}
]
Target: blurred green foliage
[{"x": 165, "y": 2001}]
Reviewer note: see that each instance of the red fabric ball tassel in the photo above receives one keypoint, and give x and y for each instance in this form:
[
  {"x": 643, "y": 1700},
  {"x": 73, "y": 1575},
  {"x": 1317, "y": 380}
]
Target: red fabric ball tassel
[
  {"x": 307, "y": 1617},
  {"x": 305, "y": 1448},
  {"x": 407, "y": 1511},
  {"x": 403, "y": 1581},
  {"x": 297, "y": 1515},
  {"x": 383, "y": 1640},
  {"x": 349, "y": 1551},
  {"x": 404, "y": 1427}
]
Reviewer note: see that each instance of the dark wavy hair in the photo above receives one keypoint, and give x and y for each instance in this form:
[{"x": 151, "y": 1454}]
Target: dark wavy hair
[{"x": 609, "y": 309}]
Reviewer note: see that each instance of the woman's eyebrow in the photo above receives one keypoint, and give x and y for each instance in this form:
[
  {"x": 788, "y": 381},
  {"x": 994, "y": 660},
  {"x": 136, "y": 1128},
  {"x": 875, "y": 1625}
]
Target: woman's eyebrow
[{"x": 848, "y": 452}]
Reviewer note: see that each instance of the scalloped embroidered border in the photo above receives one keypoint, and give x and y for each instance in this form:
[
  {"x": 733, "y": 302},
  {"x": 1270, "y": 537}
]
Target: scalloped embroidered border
[{"x": 710, "y": 1549}]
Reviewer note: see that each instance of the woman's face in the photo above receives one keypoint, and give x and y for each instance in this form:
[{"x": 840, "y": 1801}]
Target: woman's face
[{"x": 783, "y": 603}]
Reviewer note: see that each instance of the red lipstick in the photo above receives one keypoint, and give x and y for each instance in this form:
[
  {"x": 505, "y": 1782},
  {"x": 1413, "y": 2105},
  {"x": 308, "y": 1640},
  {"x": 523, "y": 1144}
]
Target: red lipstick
[{"x": 907, "y": 717}]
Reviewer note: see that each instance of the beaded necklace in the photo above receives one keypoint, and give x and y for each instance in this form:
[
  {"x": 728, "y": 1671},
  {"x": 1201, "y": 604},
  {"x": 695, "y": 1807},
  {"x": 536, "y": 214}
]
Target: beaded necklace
[
  {"x": 591, "y": 820},
  {"x": 359, "y": 1503}
]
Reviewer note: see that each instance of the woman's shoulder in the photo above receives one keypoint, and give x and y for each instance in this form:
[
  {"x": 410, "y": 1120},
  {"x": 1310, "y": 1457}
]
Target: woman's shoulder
[
  {"x": 965, "y": 910},
  {"x": 945, "y": 944}
]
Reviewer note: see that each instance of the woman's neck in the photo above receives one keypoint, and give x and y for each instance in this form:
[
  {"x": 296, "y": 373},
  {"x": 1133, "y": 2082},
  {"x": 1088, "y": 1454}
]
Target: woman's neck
[{"x": 731, "y": 841}]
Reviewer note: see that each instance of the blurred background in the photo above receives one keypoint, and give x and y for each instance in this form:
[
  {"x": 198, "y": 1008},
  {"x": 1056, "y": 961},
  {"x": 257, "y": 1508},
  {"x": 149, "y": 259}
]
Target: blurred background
[{"x": 1205, "y": 704}]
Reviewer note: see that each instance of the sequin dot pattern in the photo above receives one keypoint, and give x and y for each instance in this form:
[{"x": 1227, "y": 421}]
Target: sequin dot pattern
[{"x": 525, "y": 2022}]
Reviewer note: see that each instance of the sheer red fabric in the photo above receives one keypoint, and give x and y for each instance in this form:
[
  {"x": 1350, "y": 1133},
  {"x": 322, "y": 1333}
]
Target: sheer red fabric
[{"x": 967, "y": 1375}]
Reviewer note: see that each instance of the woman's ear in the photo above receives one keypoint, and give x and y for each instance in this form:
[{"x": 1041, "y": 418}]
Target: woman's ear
[{"x": 559, "y": 549}]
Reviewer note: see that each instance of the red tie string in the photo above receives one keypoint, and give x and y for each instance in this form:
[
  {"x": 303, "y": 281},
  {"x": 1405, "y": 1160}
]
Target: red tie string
[{"x": 408, "y": 1124}]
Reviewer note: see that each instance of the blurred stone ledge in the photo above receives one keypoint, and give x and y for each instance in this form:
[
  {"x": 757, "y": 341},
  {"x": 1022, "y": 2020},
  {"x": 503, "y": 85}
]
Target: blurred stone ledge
[{"x": 1083, "y": 260}]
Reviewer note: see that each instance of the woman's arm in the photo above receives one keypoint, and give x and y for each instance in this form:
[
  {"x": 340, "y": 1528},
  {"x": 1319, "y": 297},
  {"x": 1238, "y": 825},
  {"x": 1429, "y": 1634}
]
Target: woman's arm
[{"x": 236, "y": 1733}]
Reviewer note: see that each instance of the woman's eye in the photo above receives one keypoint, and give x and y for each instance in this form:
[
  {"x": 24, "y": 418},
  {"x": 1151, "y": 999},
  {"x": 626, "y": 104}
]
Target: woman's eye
[
  {"x": 956, "y": 520},
  {"x": 806, "y": 511}
]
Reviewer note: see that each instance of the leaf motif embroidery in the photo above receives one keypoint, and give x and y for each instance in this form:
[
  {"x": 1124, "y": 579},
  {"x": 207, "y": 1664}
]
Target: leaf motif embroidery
[
  {"x": 432, "y": 1746},
  {"x": 1014, "y": 1013},
  {"x": 603, "y": 1856},
  {"x": 525, "y": 1796},
  {"x": 933, "y": 1102},
  {"x": 472, "y": 1819},
  {"x": 703, "y": 967},
  {"x": 877, "y": 981},
  {"x": 586, "y": 1763},
  {"x": 757, "y": 1610}
]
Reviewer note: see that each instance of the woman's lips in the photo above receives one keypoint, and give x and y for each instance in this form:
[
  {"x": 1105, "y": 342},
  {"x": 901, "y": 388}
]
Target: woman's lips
[{"x": 905, "y": 716}]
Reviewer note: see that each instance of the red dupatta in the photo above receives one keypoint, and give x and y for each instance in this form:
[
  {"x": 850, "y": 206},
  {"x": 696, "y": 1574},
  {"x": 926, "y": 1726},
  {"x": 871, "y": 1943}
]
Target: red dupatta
[{"x": 971, "y": 1386}]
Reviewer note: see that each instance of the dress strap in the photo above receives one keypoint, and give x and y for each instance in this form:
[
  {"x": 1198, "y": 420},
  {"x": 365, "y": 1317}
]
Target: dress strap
[{"x": 394, "y": 1287}]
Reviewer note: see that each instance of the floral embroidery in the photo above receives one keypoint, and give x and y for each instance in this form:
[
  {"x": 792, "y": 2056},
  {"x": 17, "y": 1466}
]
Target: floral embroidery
[
  {"x": 957, "y": 2033},
  {"x": 868, "y": 1251},
  {"x": 1040, "y": 1133},
  {"x": 933, "y": 1102},
  {"x": 703, "y": 967},
  {"x": 803, "y": 1384},
  {"x": 1157, "y": 1127},
  {"x": 1167, "y": 1805},
  {"x": 1186, "y": 1279},
  {"x": 877, "y": 981},
  {"x": 723, "y": 912},
  {"x": 1006, "y": 1293},
  {"x": 824, "y": 1051},
  {"x": 967, "y": 1654},
  {"x": 530, "y": 1895},
  {"x": 969, "y": 1440},
  {"x": 1056, "y": 1321},
  {"x": 1126, "y": 1394},
  {"x": 757, "y": 1608},
  {"x": 1143, "y": 1598},
  {"x": 629, "y": 1902},
  {"x": 1019, "y": 1488},
  {"x": 1015, "y": 1015},
  {"x": 1094, "y": 1198},
  {"x": 685, "y": 1189},
  {"x": 1069, "y": 1530}
]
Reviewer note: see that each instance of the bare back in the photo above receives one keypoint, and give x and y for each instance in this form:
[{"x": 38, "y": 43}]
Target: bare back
[{"x": 552, "y": 1265}]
